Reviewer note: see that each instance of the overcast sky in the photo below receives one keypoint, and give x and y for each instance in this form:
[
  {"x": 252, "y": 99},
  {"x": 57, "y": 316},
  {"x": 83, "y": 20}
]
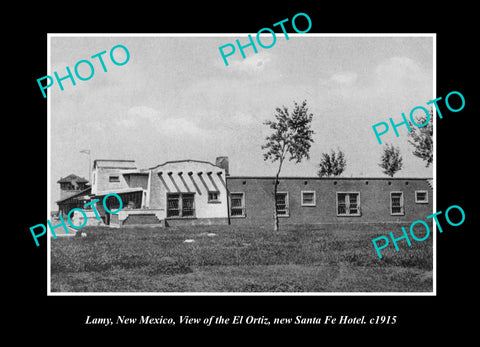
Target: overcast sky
[{"x": 175, "y": 99}]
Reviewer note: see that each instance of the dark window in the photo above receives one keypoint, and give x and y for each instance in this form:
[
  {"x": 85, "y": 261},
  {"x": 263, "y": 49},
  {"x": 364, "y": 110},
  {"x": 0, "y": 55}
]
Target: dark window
[
  {"x": 396, "y": 203},
  {"x": 173, "y": 204},
  {"x": 131, "y": 200},
  {"x": 112, "y": 203},
  {"x": 237, "y": 205},
  {"x": 213, "y": 196},
  {"x": 188, "y": 206},
  {"x": 421, "y": 197},
  {"x": 181, "y": 205},
  {"x": 348, "y": 204},
  {"x": 281, "y": 200},
  {"x": 113, "y": 179}
]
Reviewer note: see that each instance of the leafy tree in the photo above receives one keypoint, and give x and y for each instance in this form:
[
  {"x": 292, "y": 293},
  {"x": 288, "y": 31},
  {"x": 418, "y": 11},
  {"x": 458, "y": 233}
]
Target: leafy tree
[
  {"x": 391, "y": 160},
  {"x": 422, "y": 139},
  {"x": 333, "y": 164},
  {"x": 291, "y": 138}
]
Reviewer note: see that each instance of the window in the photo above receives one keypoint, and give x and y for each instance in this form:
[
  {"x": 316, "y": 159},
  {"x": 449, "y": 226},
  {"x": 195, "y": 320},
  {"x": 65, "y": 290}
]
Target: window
[
  {"x": 308, "y": 198},
  {"x": 213, "y": 196},
  {"x": 181, "y": 205},
  {"x": 396, "y": 204},
  {"x": 188, "y": 206},
  {"x": 348, "y": 204},
  {"x": 67, "y": 186},
  {"x": 281, "y": 199},
  {"x": 421, "y": 196},
  {"x": 237, "y": 205},
  {"x": 112, "y": 203},
  {"x": 131, "y": 200},
  {"x": 113, "y": 179},
  {"x": 173, "y": 204}
]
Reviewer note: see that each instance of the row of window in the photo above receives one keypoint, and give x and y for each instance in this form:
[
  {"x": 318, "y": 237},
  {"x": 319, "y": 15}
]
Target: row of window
[
  {"x": 181, "y": 205},
  {"x": 348, "y": 203},
  {"x": 70, "y": 186}
]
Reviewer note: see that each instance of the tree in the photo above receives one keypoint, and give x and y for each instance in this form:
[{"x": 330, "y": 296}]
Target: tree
[
  {"x": 422, "y": 138},
  {"x": 291, "y": 137},
  {"x": 391, "y": 160},
  {"x": 332, "y": 165}
]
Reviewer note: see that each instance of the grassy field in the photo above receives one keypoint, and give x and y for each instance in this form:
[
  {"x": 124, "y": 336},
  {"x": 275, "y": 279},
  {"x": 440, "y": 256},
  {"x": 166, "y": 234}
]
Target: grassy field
[{"x": 239, "y": 259}]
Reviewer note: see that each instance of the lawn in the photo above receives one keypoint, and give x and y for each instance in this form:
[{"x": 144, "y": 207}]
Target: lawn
[{"x": 316, "y": 258}]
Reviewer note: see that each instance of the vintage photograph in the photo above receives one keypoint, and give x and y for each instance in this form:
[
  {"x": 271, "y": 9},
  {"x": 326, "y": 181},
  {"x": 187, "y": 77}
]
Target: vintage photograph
[{"x": 295, "y": 169}]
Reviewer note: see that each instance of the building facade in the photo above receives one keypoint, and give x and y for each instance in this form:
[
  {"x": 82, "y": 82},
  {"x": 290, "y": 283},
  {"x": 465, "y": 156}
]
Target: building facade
[
  {"x": 173, "y": 193},
  {"x": 74, "y": 193},
  {"x": 315, "y": 200},
  {"x": 192, "y": 192}
]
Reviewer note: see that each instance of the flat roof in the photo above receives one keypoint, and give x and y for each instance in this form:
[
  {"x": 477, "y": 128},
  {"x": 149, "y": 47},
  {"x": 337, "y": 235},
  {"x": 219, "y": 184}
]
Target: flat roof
[
  {"x": 328, "y": 178},
  {"x": 114, "y": 163},
  {"x": 119, "y": 191}
]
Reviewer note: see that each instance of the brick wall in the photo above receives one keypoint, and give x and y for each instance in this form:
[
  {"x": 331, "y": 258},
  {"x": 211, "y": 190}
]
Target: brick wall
[{"x": 374, "y": 199}]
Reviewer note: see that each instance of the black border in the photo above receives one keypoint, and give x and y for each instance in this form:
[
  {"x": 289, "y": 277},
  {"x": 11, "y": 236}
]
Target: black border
[{"x": 455, "y": 177}]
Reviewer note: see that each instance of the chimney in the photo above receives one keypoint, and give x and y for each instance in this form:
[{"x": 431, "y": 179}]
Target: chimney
[{"x": 223, "y": 163}]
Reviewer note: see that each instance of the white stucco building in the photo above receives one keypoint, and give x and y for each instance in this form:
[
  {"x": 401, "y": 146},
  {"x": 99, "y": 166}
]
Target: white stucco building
[{"x": 170, "y": 193}]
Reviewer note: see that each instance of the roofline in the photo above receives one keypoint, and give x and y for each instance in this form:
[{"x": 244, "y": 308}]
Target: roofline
[
  {"x": 185, "y": 160},
  {"x": 80, "y": 180},
  {"x": 119, "y": 191},
  {"x": 329, "y": 178},
  {"x": 123, "y": 160},
  {"x": 117, "y": 160},
  {"x": 135, "y": 172},
  {"x": 118, "y": 167}
]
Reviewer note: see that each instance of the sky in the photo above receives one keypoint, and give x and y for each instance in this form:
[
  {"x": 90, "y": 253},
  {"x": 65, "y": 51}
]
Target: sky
[{"x": 176, "y": 99}]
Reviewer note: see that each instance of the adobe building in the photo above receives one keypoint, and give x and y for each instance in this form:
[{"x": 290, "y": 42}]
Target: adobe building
[{"x": 192, "y": 192}]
